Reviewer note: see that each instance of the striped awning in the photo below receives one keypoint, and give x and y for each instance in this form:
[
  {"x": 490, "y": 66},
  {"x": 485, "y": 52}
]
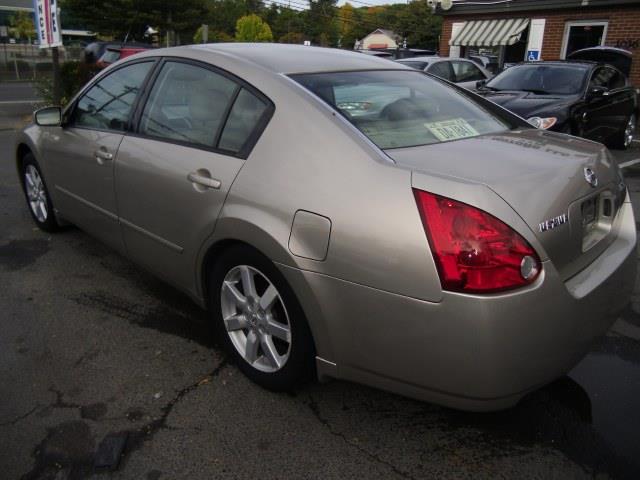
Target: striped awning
[{"x": 490, "y": 33}]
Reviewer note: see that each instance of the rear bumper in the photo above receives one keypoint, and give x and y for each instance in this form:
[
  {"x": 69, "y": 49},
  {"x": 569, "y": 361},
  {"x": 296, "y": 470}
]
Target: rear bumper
[{"x": 475, "y": 352}]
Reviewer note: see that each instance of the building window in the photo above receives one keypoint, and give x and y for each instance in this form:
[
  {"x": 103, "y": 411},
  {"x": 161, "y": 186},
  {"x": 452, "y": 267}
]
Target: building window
[{"x": 583, "y": 34}]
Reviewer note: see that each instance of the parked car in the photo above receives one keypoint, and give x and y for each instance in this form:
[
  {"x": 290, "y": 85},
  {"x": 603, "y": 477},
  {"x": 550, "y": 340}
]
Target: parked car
[
  {"x": 439, "y": 247},
  {"x": 617, "y": 57},
  {"x": 586, "y": 99},
  {"x": 94, "y": 51},
  {"x": 488, "y": 62},
  {"x": 457, "y": 70},
  {"x": 112, "y": 55},
  {"x": 376, "y": 53}
]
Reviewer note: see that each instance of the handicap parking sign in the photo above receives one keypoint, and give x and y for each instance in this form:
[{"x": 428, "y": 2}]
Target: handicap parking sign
[{"x": 533, "y": 55}]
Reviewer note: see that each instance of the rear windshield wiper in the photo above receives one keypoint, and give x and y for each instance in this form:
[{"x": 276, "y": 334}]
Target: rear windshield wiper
[{"x": 487, "y": 87}]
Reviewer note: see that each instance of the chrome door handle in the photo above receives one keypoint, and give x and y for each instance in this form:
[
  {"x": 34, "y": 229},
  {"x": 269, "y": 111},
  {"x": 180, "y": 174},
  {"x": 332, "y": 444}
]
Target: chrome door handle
[
  {"x": 203, "y": 180},
  {"x": 102, "y": 156}
]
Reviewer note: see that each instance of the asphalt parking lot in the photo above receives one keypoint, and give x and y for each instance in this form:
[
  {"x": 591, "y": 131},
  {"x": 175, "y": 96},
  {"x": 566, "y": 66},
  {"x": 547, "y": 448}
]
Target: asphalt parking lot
[{"x": 96, "y": 354}]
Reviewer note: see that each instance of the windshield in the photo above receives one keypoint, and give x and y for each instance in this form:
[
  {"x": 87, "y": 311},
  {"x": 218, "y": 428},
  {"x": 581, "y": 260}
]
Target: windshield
[
  {"x": 402, "y": 108},
  {"x": 543, "y": 79}
]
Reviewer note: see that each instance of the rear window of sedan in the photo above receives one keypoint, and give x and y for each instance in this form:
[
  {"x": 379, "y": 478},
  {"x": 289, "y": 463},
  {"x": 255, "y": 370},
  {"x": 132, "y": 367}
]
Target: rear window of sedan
[{"x": 397, "y": 109}]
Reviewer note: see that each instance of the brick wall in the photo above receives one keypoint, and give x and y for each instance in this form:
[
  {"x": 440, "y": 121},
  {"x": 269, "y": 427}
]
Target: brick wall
[{"x": 624, "y": 25}]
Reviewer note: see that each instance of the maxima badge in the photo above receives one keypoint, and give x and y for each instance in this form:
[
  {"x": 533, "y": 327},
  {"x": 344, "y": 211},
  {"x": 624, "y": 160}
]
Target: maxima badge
[{"x": 553, "y": 223}]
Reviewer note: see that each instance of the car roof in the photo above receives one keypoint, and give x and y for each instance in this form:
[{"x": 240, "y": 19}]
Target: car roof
[
  {"x": 433, "y": 58},
  {"x": 584, "y": 63},
  {"x": 288, "y": 59},
  {"x": 422, "y": 58}
]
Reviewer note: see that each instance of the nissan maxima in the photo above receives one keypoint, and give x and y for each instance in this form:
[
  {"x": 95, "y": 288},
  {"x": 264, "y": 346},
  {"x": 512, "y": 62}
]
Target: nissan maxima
[{"x": 343, "y": 216}]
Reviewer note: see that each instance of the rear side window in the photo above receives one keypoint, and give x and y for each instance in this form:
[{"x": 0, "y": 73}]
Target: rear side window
[
  {"x": 107, "y": 104},
  {"x": 247, "y": 112},
  {"x": 403, "y": 108},
  {"x": 111, "y": 56},
  {"x": 187, "y": 104},
  {"x": 442, "y": 70},
  {"x": 415, "y": 64}
]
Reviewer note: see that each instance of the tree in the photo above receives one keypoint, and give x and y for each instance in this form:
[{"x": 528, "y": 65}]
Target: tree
[
  {"x": 213, "y": 37},
  {"x": 347, "y": 23},
  {"x": 321, "y": 19},
  {"x": 251, "y": 28},
  {"x": 22, "y": 25},
  {"x": 421, "y": 27},
  {"x": 117, "y": 18},
  {"x": 293, "y": 37}
]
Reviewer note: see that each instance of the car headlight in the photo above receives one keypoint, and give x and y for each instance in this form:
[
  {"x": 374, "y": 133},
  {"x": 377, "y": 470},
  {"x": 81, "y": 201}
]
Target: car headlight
[{"x": 542, "y": 123}]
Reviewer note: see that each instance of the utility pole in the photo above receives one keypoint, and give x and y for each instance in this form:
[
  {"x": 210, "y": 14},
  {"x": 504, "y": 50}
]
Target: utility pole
[{"x": 55, "y": 63}]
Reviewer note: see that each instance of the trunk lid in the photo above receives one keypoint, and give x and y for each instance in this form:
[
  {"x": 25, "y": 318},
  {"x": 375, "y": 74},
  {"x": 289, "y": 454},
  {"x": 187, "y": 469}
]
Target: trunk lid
[
  {"x": 619, "y": 58},
  {"x": 541, "y": 175}
]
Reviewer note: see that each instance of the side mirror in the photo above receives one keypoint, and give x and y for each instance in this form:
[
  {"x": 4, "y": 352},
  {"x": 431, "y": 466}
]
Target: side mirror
[
  {"x": 481, "y": 83},
  {"x": 48, "y": 116},
  {"x": 597, "y": 92}
]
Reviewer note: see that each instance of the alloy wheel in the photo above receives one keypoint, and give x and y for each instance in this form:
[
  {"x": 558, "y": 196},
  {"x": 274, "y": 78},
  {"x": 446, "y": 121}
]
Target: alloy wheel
[
  {"x": 36, "y": 193},
  {"x": 255, "y": 318}
]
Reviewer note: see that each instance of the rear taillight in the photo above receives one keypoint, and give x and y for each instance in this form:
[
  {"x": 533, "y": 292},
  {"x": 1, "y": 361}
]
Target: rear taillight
[{"x": 474, "y": 251}]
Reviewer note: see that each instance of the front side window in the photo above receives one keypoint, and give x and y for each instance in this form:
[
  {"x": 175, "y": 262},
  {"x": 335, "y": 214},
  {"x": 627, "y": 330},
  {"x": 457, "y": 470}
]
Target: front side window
[
  {"x": 466, "y": 72},
  {"x": 542, "y": 79},
  {"x": 402, "y": 108},
  {"x": 601, "y": 77},
  {"x": 188, "y": 104},
  {"x": 107, "y": 105}
]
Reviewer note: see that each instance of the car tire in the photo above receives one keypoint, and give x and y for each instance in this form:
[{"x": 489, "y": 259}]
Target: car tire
[
  {"x": 259, "y": 320},
  {"x": 37, "y": 195},
  {"x": 624, "y": 138}
]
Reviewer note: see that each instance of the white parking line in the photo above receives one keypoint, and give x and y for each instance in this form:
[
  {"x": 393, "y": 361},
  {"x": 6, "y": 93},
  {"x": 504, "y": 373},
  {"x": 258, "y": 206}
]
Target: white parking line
[{"x": 629, "y": 163}]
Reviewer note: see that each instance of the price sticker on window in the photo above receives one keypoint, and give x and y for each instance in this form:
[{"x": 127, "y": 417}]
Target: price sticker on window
[{"x": 451, "y": 129}]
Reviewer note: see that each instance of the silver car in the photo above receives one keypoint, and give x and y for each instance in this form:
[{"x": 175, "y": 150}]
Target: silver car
[
  {"x": 465, "y": 73},
  {"x": 343, "y": 216}
]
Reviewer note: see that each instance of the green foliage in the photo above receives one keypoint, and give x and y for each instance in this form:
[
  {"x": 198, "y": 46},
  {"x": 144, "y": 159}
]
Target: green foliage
[
  {"x": 293, "y": 37},
  {"x": 324, "y": 23},
  {"x": 22, "y": 25},
  {"x": 117, "y": 18},
  {"x": 251, "y": 28},
  {"x": 320, "y": 22},
  {"x": 73, "y": 76},
  {"x": 213, "y": 37}
]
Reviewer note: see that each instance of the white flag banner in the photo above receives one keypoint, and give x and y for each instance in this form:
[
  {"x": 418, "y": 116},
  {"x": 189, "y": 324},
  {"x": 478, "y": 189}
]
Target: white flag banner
[{"x": 48, "y": 23}]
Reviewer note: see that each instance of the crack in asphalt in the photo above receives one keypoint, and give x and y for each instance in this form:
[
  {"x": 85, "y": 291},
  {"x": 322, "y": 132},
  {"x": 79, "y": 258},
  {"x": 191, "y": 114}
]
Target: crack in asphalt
[
  {"x": 52, "y": 454},
  {"x": 313, "y": 406},
  {"x": 147, "y": 431},
  {"x": 21, "y": 417}
]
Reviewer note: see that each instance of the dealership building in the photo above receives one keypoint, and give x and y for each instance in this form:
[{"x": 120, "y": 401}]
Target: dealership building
[{"x": 519, "y": 30}]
